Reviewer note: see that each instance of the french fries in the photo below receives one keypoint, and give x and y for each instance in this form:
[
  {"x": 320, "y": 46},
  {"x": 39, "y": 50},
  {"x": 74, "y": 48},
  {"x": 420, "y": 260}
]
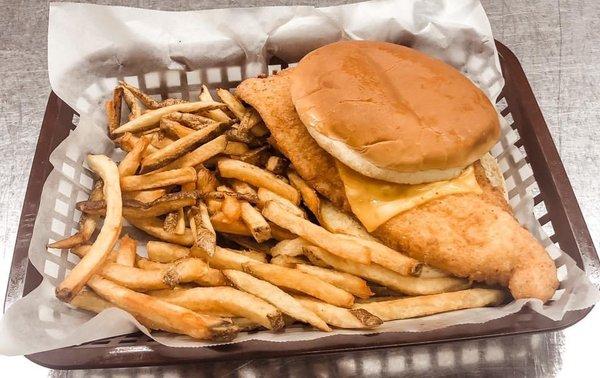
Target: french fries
[
  {"x": 197, "y": 169},
  {"x": 405, "y": 308},
  {"x": 334, "y": 243},
  {"x": 127, "y": 251},
  {"x": 92, "y": 261},
  {"x": 225, "y": 299},
  {"x": 340, "y": 317},
  {"x": 299, "y": 281},
  {"x": 87, "y": 224},
  {"x": 388, "y": 278},
  {"x": 345, "y": 281},
  {"x": 148, "y": 120},
  {"x": 256, "y": 223},
  {"x": 255, "y": 176},
  {"x": 277, "y": 297},
  {"x": 162, "y": 315},
  {"x": 165, "y": 252}
]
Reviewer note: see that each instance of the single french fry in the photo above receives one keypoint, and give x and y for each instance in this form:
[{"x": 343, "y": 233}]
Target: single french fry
[
  {"x": 345, "y": 281},
  {"x": 128, "y": 141},
  {"x": 92, "y": 261},
  {"x": 221, "y": 195},
  {"x": 280, "y": 233},
  {"x": 390, "y": 259},
  {"x": 87, "y": 224},
  {"x": 225, "y": 300},
  {"x": 249, "y": 243},
  {"x": 127, "y": 251},
  {"x": 287, "y": 261},
  {"x": 157, "y": 180},
  {"x": 165, "y": 252},
  {"x": 256, "y": 223},
  {"x": 205, "y": 237},
  {"x": 413, "y": 307},
  {"x": 82, "y": 250},
  {"x": 146, "y": 264},
  {"x": 277, "y": 297},
  {"x": 260, "y": 130},
  {"x": 232, "y": 103},
  {"x": 290, "y": 247},
  {"x": 132, "y": 104},
  {"x": 222, "y": 224},
  {"x": 154, "y": 227},
  {"x": 254, "y": 255},
  {"x": 265, "y": 195},
  {"x": 231, "y": 208},
  {"x": 193, "y": 270},
  {"x": 170, "y": 221},
  {"x": 133, "y": 278},
  {"x": 132, "y": 160},
  {"x": 182, "y": 146},
  {"x": 180, "y": 227},
  {"x": 113, "y": 110},
  {"x": 429, "y": 272},
  {"x": 223, "y": 258},
  {"x": 340, "y": 317},
  {"x": 378, "y": 274},
  {"x": 216, "y": 114},
  {"x": 243, "y": 188},
  {"x": 257, "y": 156},
  {"x": 309, "y": 195},
  {"x": 90, "y": 301},
  {"x": 336, "y": 221},
  {"x": 334, "y": 243},
  {"x": 299, "y": 281},
  {"x": 193, "y": 121},
  {"x": 258, "y": 177},
  {"x": 174, "y": 129},
  {"x": 163, "y": 315},
  {"x": 249, "y": 119},
  {"x": 199, "y": 155},
  {"x": 277, "y": 165},
  {"x": 235, "y": 148},
  {"x": 148, "y": 101},
  {"x": 136, "y": 209},
  {"x": 206, "y": 181},
  {"x": 151, "y": 118},
  {"x": 144, "y": 196}
]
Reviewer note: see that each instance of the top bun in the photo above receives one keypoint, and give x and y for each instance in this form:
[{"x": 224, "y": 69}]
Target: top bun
[{"x": 391, "y": 112}]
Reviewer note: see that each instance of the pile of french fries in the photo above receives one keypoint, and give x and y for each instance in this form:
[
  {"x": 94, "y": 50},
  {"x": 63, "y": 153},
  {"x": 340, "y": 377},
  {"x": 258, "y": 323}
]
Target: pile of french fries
[{"x": 242, "y": 242}]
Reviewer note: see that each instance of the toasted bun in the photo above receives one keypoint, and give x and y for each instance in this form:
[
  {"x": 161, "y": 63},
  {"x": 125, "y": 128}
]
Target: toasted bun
[{"x": 391, "y": 112}]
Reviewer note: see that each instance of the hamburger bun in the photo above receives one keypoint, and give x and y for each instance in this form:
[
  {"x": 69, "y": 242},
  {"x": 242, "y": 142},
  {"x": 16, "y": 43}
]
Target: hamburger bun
[{"x": 393, "y": 113}]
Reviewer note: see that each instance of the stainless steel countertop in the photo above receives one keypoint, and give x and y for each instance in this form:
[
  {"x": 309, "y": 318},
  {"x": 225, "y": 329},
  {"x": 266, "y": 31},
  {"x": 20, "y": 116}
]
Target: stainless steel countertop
[{"x": 557, "y": 44}]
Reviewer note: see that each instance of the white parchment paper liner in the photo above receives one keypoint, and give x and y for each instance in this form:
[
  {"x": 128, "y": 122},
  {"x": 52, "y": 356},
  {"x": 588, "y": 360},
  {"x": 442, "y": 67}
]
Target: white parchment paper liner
[{"x": 91, "y": 46}]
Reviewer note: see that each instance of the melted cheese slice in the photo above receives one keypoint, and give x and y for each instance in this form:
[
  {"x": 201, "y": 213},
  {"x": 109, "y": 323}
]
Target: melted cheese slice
[{"x": 374, "y": 201}]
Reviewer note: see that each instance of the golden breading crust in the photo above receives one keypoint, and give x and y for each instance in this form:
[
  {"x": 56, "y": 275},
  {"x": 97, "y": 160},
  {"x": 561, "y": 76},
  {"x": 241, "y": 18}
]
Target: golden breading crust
[{"x": 468, "y": 235}]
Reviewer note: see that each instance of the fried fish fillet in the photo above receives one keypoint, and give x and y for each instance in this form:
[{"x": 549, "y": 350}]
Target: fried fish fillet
[{"x": 468, "y": 235}]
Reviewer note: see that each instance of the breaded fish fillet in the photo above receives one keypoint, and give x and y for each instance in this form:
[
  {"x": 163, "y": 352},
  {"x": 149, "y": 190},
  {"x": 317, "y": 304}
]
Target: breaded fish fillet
[{"x": 468, "y": 235}]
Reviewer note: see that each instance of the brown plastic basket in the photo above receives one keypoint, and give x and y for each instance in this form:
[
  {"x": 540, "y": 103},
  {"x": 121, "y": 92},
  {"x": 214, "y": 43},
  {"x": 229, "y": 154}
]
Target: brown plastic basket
[{"x": 561, "y": 217}]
